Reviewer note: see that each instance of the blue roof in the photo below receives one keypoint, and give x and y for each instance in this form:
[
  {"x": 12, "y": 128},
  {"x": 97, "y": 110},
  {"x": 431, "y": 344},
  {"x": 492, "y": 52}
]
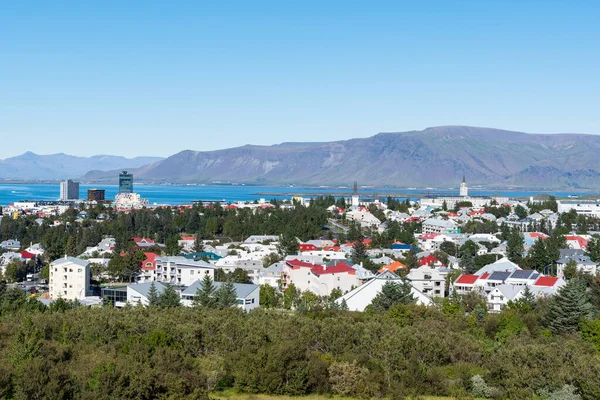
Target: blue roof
[
  {"x": 522, "y": 274},
  {"x": 498, "y": 276}
]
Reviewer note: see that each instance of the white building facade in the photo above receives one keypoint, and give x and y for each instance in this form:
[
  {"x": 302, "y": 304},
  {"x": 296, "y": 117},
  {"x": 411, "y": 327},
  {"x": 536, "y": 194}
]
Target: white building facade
[{"x": 69, "y": 278}]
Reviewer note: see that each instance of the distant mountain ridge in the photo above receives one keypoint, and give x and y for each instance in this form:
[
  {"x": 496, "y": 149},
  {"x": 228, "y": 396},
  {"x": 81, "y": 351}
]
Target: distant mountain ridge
[
  {"x": 437, "y": 156},
  {"x": 29, "y": 166}
]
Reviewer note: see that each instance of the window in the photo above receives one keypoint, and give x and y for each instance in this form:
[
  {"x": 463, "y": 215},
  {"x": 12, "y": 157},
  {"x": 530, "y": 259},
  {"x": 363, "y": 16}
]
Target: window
[
  {"x": 79, "y": 270},
  {"x": 191, "y": 272}
]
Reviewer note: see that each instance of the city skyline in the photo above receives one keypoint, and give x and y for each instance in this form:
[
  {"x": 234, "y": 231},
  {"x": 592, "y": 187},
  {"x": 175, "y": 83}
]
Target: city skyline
[{"x": 205, "y": 77}]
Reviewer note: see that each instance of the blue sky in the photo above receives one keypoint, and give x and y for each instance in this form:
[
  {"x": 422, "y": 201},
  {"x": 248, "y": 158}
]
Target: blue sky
[{"x": 157, "y": 77}]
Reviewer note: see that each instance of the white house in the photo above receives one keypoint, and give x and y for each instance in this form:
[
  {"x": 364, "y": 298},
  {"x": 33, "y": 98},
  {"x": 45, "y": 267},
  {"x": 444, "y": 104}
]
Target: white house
[
  {"x": 69, "y": 278},
  {"x": 583, "y": 264},
  {"x": 428, "y": 281},
  {"x": 10, "y": 244},
  {"x": 435, "y": 225},
  {"x": 359, "y": 298},
  {"x": 271, "y": 275},
  {"x": 247, "y": 294},
  {"x": 319, "y": 279},
  {"x": 499, "y": 297},
  {"x": 138, "y": 292},
  {"x": 181, "y": 271}
]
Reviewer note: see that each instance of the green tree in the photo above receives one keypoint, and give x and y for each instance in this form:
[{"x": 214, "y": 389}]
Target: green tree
[
  {"x": 570, "y": 270},
  {"x": 470, "y": 247},
  {"x": 569, "y": 307},
  {"x": 153, "y": 296},
  {"x": 169, "y": 298},
  {"x": 226, "y": 295},
  {"x": 448, "y": 248},
  {"x": 15, "y": 271},
  {"x": 521, "y": 211},
  {"x": 205, "y": 295},
  {"x": 392, "y": 293},
  {"x": 411, "y": 261},
  {"x": 291, "y": 295},
  {"x": 271, "y": 259},
  {"x": 335, "y": 294},
  {"x": 269, "y": 296},
  {"x": 198, "y": 244},
  {"x": 515, "y": 246}
]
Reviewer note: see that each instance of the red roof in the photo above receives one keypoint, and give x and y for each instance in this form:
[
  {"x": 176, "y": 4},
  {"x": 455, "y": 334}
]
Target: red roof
[
  {"x": 546, "y": 281},
  {"x": 295, "y": 264},
  {"x": 147, "y": 240},
  {"x": 149, "y": 263},
  {"x": 306, "y": 247},
  {"x": 428, "y": 236},
  {"x": 27, "y": 255},
  {"x": 336, "y": 269},
  {"x": 485, "y": 275},
  {"x": 188, "y": 238},
  {"x": 582, "y": 242},
  {"x": 466, "y": 279},
  {"x": 332, "y": 248},
  {"x": 428, "y": 260},
  {"x": 538, "y": 235}
]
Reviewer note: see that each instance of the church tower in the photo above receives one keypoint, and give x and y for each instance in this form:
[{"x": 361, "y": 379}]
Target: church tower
[
  {"x": 464, "y": 190},
  {"x": 355, "y": 199}
]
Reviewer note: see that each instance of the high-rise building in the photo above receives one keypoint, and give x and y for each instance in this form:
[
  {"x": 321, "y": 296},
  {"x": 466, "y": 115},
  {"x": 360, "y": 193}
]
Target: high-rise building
[
  {"x": 96, "y": 195},
  {"x": 125, "y": 182},
  {"x": 69, "y": 190}
]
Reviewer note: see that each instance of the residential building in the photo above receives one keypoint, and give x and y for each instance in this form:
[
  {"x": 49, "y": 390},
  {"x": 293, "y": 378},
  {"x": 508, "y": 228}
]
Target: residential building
[
  {"x": 499, "y": 297},
  {"x": 10, "y": 244},
  {"x": 125, "y": 182},
  {"x": 435, "y": 225},
  {"x": 69, "y": 190},
  {"x": 582, "y": 264},
  {"x": 317, "y": 278},
  {"x": 138, "y": 293},
  {"x": 428, "y": 281},
  {"x": 247, "y": 294},
  {"x": 359, "y": 298},
  {"x": 181, "y": 271},
  {"x": 581, "y": 207},
  {"x": 69, "y": 278},
  {"x": 272, "y": 275}
]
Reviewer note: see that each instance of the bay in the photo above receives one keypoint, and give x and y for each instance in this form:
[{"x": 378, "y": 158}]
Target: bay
[{"x": 185, "y": 194}]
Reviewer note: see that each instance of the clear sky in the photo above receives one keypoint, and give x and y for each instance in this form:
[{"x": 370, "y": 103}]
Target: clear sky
[{"x": 157, "y": 77}]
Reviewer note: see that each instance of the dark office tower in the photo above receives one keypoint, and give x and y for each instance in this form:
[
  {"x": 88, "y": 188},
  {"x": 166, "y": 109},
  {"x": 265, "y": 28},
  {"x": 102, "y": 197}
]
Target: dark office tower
[
  {"x": 96, "y": 195},
  {"x": 125, "y": 182}
]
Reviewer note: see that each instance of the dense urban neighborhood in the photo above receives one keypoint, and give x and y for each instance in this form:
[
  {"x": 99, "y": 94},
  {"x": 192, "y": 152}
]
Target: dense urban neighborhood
[{"x": 453, "y": 289}]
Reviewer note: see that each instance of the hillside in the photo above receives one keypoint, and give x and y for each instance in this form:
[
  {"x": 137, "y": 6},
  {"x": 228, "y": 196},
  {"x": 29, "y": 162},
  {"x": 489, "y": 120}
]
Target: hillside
[
  {"x": 437, "y": 156},
  {"x": 62, "y": 166}
]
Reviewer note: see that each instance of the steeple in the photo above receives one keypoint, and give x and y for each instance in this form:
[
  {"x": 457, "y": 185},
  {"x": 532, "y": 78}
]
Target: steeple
[
  {"x": 464, "y": 190},
  {"x": 355, "y": 188}
]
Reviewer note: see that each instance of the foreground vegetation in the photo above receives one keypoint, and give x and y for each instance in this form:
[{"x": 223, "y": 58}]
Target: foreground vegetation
[{"x": 175, "y": 353}]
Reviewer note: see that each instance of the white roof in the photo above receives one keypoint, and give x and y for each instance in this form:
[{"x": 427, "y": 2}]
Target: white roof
[
  {"x": 503, "y": 264},
  {"x": 359, "y": 298}
]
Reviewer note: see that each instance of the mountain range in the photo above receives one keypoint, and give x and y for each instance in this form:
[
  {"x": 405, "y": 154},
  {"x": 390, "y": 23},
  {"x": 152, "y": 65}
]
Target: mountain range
[
  {"x": 438, "y": 156},
  {"x": 31, "y": 166},
  {"x": 433, "y": 157}
]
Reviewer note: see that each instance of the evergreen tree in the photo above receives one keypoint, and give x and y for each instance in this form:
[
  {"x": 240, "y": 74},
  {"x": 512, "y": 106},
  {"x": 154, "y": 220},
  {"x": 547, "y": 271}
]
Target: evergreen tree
[
  {"x": 169, "y": 298},
  {"x": 344, "y": 305},
  {"x": 515, "y": 246},
  {"x": 392, "y": 293},
  {"x": 205, "y": 295},
  {"x": 359, "y": 250},
  {"x": 411, "y": 260},
  {"x": 226, "y": 295},
  {"x": 152, "y": 296},
  {"x": 198, "y": 244},
  {"x": 569, "y": 307},
  {"x": 570, "y": 270},
  {"x": 269, "y": 297},
  {"x": 467, "y": 263}
]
